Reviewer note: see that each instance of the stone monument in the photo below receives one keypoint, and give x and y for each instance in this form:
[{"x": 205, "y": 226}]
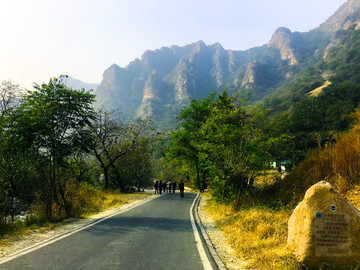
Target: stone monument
[{"x": 325, "y": 228}]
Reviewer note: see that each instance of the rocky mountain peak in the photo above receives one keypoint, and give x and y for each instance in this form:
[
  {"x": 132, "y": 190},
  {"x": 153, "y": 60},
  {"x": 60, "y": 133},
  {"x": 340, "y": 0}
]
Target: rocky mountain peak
[
  {"x": 200, "y": 45},
  {"x": 114, "y": 68},
  {"x": 217, "y": 46},
  {"x": 285, "y": 41},
  {"x": 112, "y": 75},
  {"x": 281, "y": 35}
]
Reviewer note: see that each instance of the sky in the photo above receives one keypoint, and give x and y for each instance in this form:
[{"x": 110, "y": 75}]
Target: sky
[{"x": 41, "y": 39}]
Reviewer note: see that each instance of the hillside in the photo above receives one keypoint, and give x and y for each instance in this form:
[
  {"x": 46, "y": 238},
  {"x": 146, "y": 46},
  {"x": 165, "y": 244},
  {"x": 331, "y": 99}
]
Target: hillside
[{"x": 278, "y": 73}]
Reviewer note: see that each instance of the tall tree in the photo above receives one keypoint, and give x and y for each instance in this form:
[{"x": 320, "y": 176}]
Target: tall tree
[
  {"x": 14, "y": 158},
  {"x": 15, "y": 163},
  {"x": 54, "y": 120},
  {"x": 186, "y": 136},
  {"x": 137, "y": 166},
  {"x": 231, "y": 144},
  {"x": 115, "y": 138}
]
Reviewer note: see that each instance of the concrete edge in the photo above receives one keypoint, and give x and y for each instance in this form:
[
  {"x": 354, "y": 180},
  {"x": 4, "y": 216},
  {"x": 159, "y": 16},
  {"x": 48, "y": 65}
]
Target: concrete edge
[{"x": 205, "y": 236}]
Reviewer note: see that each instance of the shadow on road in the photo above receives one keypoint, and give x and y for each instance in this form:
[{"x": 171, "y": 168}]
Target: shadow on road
[{"x": 169, "y": 213}]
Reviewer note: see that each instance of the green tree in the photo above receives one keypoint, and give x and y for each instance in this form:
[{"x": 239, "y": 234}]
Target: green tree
[
  {"x": 13, "y": 158},
  {"x": 232, "y": 144},
  {"x": 186, "y": 137},
  {"x": 53, "y": 120},
  {"x": 15, "y": 163}
]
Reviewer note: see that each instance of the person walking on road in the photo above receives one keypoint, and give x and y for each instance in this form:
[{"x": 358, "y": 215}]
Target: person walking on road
[
  {"x": 160, "y": 186},
  {"x": 181, "y": 187},
  {"x": 168, "y": 186},
  {"x": 156, "y": 187},
  {"x": 174, "y": 186}
]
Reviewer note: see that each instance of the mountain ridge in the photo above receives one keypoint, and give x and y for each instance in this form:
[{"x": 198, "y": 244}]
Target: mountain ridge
[{"x": 161, "y": 82}]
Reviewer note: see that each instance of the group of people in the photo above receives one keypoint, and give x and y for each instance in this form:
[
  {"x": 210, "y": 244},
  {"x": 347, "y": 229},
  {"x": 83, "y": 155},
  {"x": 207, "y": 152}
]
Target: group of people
[{"x": 166, "y": 187}]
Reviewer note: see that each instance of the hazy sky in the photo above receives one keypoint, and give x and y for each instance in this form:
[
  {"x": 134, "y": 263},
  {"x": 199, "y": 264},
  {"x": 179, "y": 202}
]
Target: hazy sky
[{"x": 46, "y": 38}]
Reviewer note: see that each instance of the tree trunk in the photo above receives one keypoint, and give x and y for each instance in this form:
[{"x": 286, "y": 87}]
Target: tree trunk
[
  {"x": 198, "y": 174},
  {"x": 204, "y": 180},
  {"x": 67, "y": 205},
  {"x": 118, "y": 178},
  {"x": 53, "y": 179},
  {"x": 138, "y": 182},
  {"x": 49, "y": 204},
  {"x": 12, "y": 205},
  {"x": 106, "y": 177}
]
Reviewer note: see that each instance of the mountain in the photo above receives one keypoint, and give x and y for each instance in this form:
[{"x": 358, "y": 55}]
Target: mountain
[
  {"x": 330, "y": 54},
  {"x": 161, "y": 82},
  {"x": 78, "y": 84}
]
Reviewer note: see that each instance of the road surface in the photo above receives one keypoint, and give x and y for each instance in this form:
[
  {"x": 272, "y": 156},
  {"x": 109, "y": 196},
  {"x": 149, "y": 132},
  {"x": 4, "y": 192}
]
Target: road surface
[{"x": 154, "y": 235}]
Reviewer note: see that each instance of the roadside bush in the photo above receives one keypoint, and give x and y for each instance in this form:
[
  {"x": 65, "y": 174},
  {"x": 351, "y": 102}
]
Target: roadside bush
[{"x": 84, "y": 199}]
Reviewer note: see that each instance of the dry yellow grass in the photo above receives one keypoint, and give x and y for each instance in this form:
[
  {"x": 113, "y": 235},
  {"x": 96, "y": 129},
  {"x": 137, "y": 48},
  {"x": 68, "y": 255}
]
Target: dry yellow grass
[
  {"x": 353, "y": 196},
  {"x": 318, "y": 91},
  {"x": 267, "y": 178},
  {"x": 257, "y": 235}
]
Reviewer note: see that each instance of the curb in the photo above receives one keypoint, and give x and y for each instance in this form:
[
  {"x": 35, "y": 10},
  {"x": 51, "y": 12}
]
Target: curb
[{"x": 206, "y": 238}]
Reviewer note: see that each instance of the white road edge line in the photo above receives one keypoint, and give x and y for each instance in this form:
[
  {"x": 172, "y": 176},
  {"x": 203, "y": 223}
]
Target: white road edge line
[
  {"x": 64, "y": 235},
  {"x": 210, "y": 246},
  {"x": 205, "y": 260}
]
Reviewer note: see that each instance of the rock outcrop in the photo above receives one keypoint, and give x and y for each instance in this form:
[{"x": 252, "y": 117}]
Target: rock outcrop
[
  {"x": 152, "y": 98},
  {"x": 325, "y": 228},
  {"x": 288, "y": 44},
  {"x": 341, "y": 17},
  {"x": 251, "y": 75}
]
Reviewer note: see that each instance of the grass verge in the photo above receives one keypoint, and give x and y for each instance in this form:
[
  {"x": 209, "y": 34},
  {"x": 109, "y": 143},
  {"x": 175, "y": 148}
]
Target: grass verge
[
  {"x": 36, "y": 222},
  {"x": 257, "y": 234},
  {"x": 257, "y": 230}
]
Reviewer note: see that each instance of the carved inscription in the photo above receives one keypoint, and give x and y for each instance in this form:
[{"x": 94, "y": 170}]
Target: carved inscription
[{"x": 332, "y": 234}]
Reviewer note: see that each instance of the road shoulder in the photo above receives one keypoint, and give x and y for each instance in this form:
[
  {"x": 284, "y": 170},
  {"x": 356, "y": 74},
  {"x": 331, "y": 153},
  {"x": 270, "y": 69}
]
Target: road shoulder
[
  {"x": 37, "y": 237},
  {"x": 217, "y": 238}
]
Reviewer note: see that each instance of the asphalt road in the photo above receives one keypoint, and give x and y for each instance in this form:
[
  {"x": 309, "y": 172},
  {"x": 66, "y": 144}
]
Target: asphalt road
[{"x": 154, "y": 235}]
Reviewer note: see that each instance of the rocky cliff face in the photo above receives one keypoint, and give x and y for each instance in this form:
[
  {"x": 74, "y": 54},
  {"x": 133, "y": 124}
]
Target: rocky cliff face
[
  {"x": 251, "y": 77},
  {"x": 169, "y": 77},
  {"x": 347, "y": 13},
  {"x": 153, "y": 97},
  {"x": 289, "y": 44}
]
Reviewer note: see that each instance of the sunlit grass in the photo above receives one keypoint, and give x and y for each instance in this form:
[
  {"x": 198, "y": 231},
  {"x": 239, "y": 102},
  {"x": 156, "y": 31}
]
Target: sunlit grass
[
  {"x": 257, "y": 235},
  {"x": 267, "y": 178},
  {"x": 353, "y": 196}
]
